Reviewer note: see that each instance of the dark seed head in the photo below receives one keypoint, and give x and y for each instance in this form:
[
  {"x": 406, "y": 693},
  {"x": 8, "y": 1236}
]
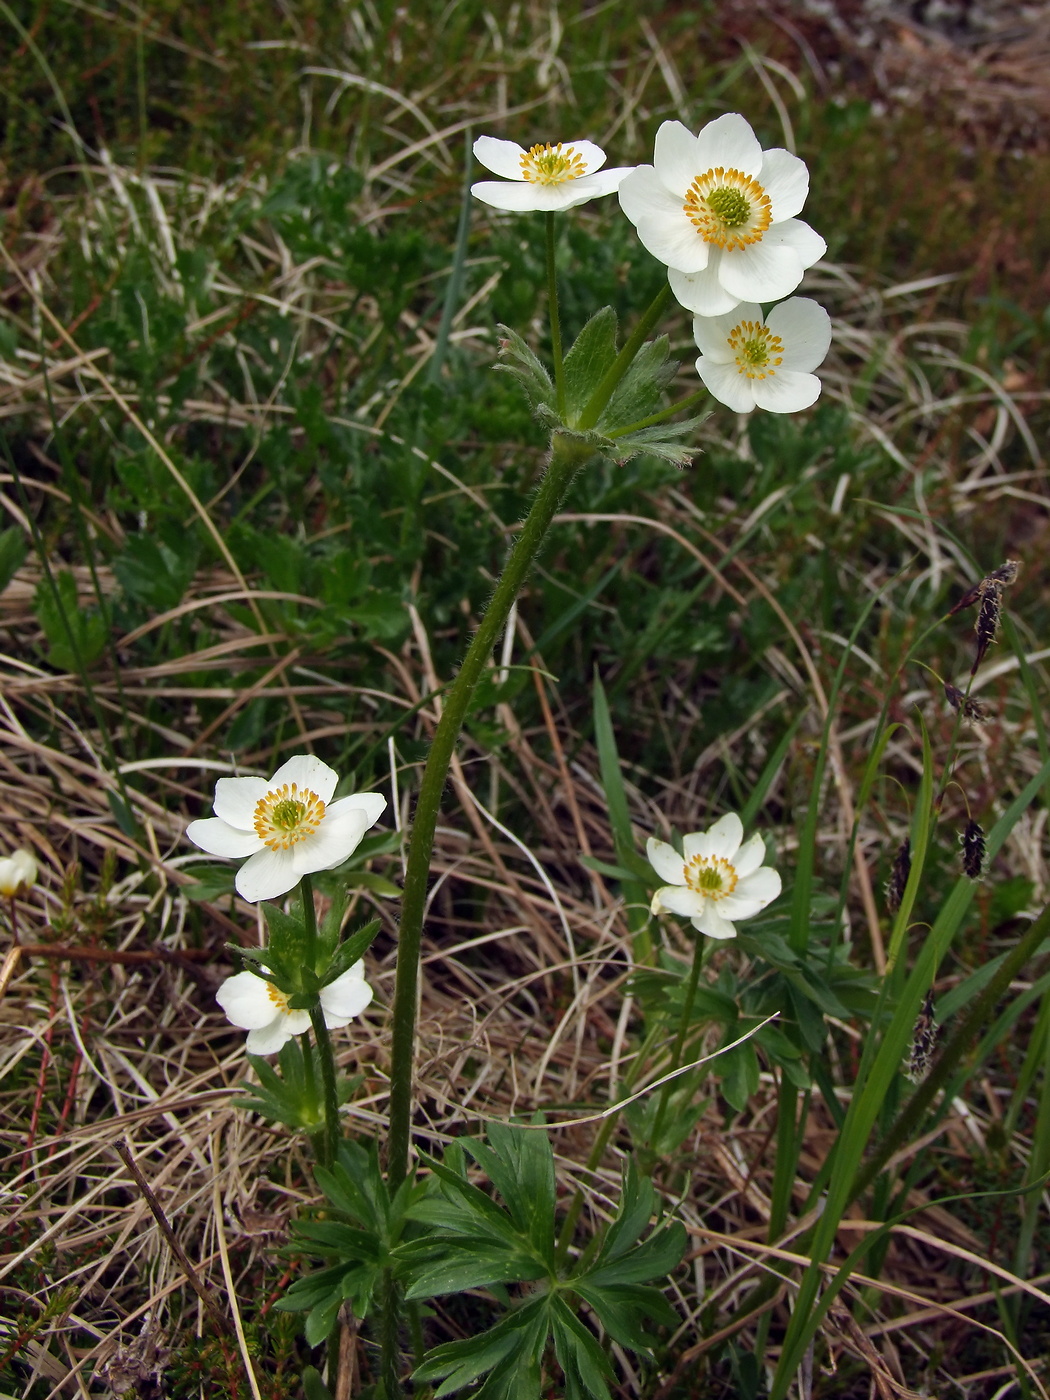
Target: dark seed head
[
  {"x": 972, "y": 710},
  {"x": 898, "y": 876},
  {"x": 923, "y": 1042},
  {"x": 973, "y": 849}
]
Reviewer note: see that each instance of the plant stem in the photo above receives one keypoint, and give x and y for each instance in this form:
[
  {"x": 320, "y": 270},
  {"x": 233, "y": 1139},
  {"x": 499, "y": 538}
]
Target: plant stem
[
  {"x": 679, "y": 1043},
  {"x": 555, "y": 319},
  {"x": 390, "y": 1338},
  {"x": 567, "y": 455},
  {"x": 619, "y": 367},
  {"x": 330, "y": 1139}
]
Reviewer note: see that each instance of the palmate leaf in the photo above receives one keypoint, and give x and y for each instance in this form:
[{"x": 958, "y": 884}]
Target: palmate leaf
[
  {"x": 477, "y": 1242},
  {"x": 511, "y": 1351}
]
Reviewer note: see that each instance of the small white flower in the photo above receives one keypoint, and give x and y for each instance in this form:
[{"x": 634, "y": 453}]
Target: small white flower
[
  {"x": 289, "y": 826},
  {"x": 18, "y": 872},
  {"x": 717, "y": 880},
  {"x": 720, "y": 212},
  {"x": 748, "y": 362},
  {"x": 262, "y": 1009},
  {"x": 545, "y": 177}
]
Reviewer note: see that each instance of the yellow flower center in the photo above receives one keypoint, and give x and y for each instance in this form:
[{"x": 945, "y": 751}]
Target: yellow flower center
[
  {"x": 279, "y": 999},
  {"x": 286, "y": 815},
  {"x": 729, "y": 208},
  {"x": 711, "y": 876},
  {"x": 552, "y": 165},
  {"x": 758, "y": 351}
]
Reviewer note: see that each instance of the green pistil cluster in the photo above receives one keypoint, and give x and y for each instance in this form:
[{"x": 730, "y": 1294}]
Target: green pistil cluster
[
  {"x": 729, "y": 206},
  {"x": 287, "y": 814},
  {"x": 709, "y": 880}
]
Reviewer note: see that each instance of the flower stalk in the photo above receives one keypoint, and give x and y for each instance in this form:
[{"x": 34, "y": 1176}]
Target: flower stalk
[
  {"x": 566, "y": 456},
  {"x": 555, "y": 318}
]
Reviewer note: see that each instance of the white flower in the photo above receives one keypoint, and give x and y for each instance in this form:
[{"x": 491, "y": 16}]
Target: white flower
[
  {"x": 17, "y": 872},
  {"x": 748, "y": 362},
  {"x": 289, "y": 826},
  {"x": 262, "y": 1009},
  {"x": 717, "y": 880},
  {"x": 720, "y": 212},
  {"x": 545, "y": 177}
]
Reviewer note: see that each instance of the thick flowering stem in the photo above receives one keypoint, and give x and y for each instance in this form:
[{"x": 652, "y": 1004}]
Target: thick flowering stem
[
  {"x": 619, "y": 367},
  {"x": 329, "y": 1140},
  {"x": 555, "y": 319},
  {"x": 567, "y": 455},
  {"x": 679, "y": 1043}
]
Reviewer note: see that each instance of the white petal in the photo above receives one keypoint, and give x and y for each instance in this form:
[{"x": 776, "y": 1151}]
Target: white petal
[
  {"x": 763, "y": 271},
  {"x": 677, "y": 158},
  {"x": 750, "y": 856},
  {"x": 267, "y": 875},
  {"x": 702, "y": 292},
  {"x": 736, "y": 907},
  {"x": 713, "y": 924},
  {"x": 730, "y": 142},
  {"x": 346, "y": 997},
  {"x": 269, "y": 1039},
  {"x": 605, "y": 181},
  {"x": 527, "y": 196},
  {"x": 236, "y": 800},
  {"x": 307, "y": 772},
  {"x": 247, "y": 1002},
  {"x": 786, "y": 180},
  {"x": 666, "y": 861},
  {"x": 593, "y": 156},
  {"x": 373, "y": 804},
  {"x": 711, "y": 333},
  {"x": 662, "y": 223},
  {"x": 218, "y": 838},
  {"x": 679, "y": 899},
  {"x": 787, "y": 391},
  {"x": 337, "y": 837},
  {"x": 763, "y": 884},
  {"x": 722, "y": 839},
  {"x": 805, "y": 328},
  {"x": 727, "y": 385},
  {"x": 793, "y": 233},
  {"x": 501, "y": 157}
]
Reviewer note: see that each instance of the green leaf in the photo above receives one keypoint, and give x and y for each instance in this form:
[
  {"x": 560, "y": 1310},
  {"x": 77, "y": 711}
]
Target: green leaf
[
  {"x": 350, "y": 952},
  {"x": 587, "y": 360},
  {"x": 287, "y": 942},
  {"x": 515, "y": 1345},
  {"x": 76, "y": 636},
  {"x": 12, "y": 554},
  {"x": 530, "y": 372},
  {"x": 314, "y": 1387},
  {"x": 451, "y": 1266},
  {"x": 520, "y": 1164},
  {"x": 580, "y": 1357}
]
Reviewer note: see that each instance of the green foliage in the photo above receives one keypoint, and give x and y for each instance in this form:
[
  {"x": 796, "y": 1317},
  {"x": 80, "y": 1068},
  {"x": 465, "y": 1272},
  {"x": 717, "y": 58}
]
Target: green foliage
[
  {"x": 359, "y": 1234},
  {"x": 76, "y": 636},
  {"x": 12, "y": 554},
  {"x": 472, "y": 1242}
]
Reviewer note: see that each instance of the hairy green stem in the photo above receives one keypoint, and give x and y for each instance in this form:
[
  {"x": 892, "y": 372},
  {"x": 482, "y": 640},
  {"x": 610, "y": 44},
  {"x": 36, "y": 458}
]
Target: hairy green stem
[
  {"x": 619, "y": 367},
  {"x": 679, "y": 1043},
  {"x": 566, "y": 456},
  {"x": 330, "y": 1138},
  {"x": 390, "y": 1338},
  {"x": 555, "y": 319}
]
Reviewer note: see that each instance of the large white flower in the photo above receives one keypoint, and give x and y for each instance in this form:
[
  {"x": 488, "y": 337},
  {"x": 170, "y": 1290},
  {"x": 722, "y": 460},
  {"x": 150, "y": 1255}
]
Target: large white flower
[
  {"x": 545, "y": 177},
  {"x": 748, "y": 362},
  {"x": 720, "y": 212},
  {"x": 262, "y": 1009},
  {"x": 717, "y": 880},
  {"x": 289, "y": 826}
]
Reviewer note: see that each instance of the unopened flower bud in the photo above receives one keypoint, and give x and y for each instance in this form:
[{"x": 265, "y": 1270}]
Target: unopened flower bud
[{"x": 17, "y": 873}]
